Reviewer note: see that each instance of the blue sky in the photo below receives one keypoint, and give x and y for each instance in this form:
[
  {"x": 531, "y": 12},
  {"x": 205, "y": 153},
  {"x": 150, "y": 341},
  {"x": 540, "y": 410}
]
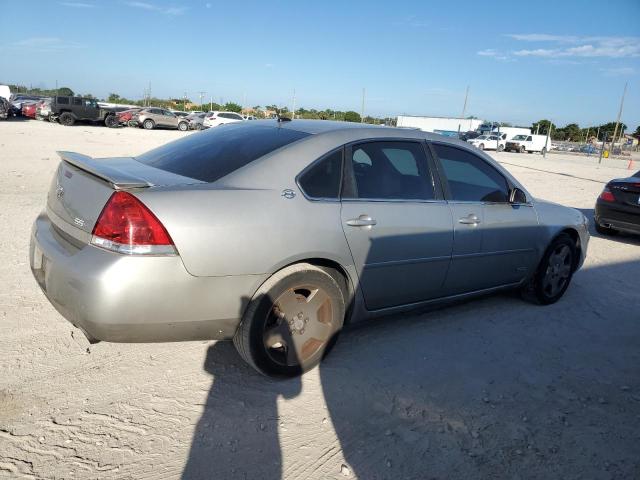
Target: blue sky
[{"x": 565, "y": 60}]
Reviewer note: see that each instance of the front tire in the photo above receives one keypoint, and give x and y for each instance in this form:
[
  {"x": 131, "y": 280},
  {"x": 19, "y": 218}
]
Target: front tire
[
  {"x": 110, "y": 121},
  {"x": 500, "y": 148},
  {"x": 183, "y": 126},
  {"x": 554, "y": 273},
  {"x": 292, "y": 321},
  {"x": 481, "y": 146},
  {"x": 149, "y": 124},
  {"x": 522, "y": 149},
  {"x": 67, "y": 119}
]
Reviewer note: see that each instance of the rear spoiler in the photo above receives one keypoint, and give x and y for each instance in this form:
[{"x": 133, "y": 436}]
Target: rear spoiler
[{"x": 105, "y": 170}]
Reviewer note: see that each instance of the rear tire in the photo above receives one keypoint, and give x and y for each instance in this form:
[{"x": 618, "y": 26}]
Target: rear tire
[
  {"x": 67, "y": 119},
  {"x": 292, "y": 321},
  {"x": 543, "y": 151},
  {"x": 110, "y": 121},
  {"x": 183, "y": 126},
  {"x": 500, "y": 148},
  {"x": 149, "y": 124},
  {"x": 554, "y": 272}
]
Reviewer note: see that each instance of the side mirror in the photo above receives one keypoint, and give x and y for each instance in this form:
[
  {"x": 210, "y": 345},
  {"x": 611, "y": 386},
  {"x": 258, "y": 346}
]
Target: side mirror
[{"x": 517, "y": 196}]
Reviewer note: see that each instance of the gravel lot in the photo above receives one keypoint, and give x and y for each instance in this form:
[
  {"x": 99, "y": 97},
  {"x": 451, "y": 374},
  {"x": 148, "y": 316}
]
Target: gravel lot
[{"x": 492, "y": 388}]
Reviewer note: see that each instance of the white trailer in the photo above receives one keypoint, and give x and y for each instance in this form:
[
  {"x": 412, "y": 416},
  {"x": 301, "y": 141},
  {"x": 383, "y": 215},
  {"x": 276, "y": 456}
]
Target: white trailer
[
  {"x": 449, "y": 126},
  {"x": 507, "y": 133}
]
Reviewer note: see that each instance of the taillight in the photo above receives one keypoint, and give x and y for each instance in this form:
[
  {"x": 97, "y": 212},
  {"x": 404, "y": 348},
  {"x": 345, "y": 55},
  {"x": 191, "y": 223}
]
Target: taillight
[
  {"x": 607, "y": 196},
  {"x": 127, "y": 226}
]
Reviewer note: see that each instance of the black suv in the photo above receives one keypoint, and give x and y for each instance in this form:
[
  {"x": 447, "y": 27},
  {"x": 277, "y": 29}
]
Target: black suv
[{"x": 68, "y": 110}]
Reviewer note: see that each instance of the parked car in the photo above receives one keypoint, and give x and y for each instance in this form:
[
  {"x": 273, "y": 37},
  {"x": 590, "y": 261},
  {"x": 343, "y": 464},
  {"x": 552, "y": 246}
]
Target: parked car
[
  {"x": 470, "y": 135},
  {"x": 152, "y": 117},
  {"x": 527, "y": 143},
  {"x": 18, "y": 99},
  {"x": 29, "y": 109},
  {"x": 126, "y": 116},
  {"x": 248, "y": 117},
  {"x": 618, "y": 206},
  {"x": 196, "y": 120},
  {"x": 43, "y": 109},
  {"x": 5, "y": 108},
  {"x": 68, "y": 110},
  {"x": 214, "y": 119},
  {"x": 488, "y": 142},
  {"x": 209, "y": 237}
]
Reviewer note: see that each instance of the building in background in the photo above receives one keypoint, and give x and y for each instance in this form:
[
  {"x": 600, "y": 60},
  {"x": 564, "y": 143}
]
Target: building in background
[{"x": 449, "y": 126}]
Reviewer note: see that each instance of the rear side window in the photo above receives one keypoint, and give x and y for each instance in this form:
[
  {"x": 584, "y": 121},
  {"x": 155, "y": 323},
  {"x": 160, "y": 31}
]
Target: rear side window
[
  {"x": 215, "y": 153},
  {"x": 323, "y": 179},
  {"x": 77, "y": 101},
  {"x": 390, "y": 170},
  {"x": 470, "y": 178}
]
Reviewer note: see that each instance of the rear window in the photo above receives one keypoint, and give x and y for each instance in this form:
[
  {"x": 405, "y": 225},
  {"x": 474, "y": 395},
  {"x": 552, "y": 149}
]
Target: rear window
[{"x": 215, "y": 153}]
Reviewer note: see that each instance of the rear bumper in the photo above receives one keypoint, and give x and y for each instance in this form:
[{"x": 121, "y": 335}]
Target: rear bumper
[
  {"x": 623, "y": 220},
  {"x": 121, "y": 298}
]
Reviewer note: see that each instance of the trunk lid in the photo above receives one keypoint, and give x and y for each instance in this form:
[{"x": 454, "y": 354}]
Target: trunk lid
[
  {"x": 82, "y": 186},
  {"x": 626, "y": 191}
]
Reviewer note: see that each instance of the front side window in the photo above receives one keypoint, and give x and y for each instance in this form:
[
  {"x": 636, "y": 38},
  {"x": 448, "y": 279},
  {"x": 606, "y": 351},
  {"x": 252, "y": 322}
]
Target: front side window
[
  {"x": 470, "y": 178},
  {"x": 77, "y": 101},
  {"x": 391, "y": 170},
  {"x": 322, "y": 180}
]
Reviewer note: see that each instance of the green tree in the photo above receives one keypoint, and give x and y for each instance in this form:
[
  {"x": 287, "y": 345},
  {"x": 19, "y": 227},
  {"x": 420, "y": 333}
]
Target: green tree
[
  {"x": 352, "y": 116},
  {"x": 544, "y": 127},
  {"x": 65, "y": 91},
  {"x": 232, "y": 107},
  {"x": 637, "y": 132},
  {"x": 573, "y": 132}
]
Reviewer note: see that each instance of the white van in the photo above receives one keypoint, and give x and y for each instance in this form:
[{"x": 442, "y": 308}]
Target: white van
[
  {"x": 507, "y": 133},
  {"x": 527, "y": 143}
]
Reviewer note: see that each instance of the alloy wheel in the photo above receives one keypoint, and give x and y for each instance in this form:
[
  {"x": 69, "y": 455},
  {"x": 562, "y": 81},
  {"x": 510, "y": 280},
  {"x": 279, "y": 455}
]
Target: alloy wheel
[
  {"x": 558, "y": 270},
  {"x": 299, "y": 325}
]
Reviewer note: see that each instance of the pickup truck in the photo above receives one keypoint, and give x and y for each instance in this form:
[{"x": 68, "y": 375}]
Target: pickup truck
[{"x": 69, "y": 110}]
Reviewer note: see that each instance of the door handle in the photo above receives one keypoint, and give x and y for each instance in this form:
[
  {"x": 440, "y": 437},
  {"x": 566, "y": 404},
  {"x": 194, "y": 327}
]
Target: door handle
[
  {"x": 361, "y": 221},
  {"x": 471, "y": 219}
]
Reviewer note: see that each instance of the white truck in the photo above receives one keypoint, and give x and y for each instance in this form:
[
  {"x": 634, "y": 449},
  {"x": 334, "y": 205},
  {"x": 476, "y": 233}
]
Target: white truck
[{"x": 528, "y": 143}]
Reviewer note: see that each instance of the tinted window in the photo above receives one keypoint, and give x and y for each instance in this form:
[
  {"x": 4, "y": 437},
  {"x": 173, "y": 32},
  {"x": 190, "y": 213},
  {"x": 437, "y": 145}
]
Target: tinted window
[
  {"x": 470, "y": 177},
  {"x": 322, "y": 180},
  {"x": 211, "y": 155},
  {"x": 63, "y": 100},
  {"x": 391, "y": 170},
  {"x": 77, "y": 101}
]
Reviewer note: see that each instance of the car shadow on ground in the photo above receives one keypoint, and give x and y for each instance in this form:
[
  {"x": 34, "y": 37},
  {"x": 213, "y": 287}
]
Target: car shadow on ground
[
  {"x": 490, "y": 388},
  {"x": 619, "y": 237}
]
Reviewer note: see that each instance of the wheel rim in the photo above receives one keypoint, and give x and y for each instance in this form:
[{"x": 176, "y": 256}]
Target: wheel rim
[
  {"x": 298, "y": 325},
  {"x": 148, "y": 125},
  {"x": 558, "y": 270}
]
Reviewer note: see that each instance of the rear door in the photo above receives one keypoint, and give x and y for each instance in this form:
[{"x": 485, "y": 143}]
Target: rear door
[
  {"x": 397, "y": 225},
  {"x": 494, "y": 240}
]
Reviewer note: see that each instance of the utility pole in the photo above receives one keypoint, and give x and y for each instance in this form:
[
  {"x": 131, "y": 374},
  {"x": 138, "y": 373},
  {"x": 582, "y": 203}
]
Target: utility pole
[
  {"x": 362, "y": 109},
  {"x": 184, "y": 102},
  {"x": 201, "y": 97},
  {"x": 546, "y": 143},
  {"x": 293, "y": 105},
  {"x": 615, "y": 130},
  {"x": 464, "y": 106},
  {"x": 211, "y": 103}
]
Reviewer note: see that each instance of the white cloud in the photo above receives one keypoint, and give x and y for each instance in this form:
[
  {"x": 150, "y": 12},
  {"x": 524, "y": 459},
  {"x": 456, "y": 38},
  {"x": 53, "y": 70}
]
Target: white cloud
[
  {"x": 490, "y": 52},
  {"x": 618, "y": 71},
  {"x": 77, "y": 4},
  {"x": 155, "y": 8},
  {"x": 575, "y": 46},
  {"x": 44, "y": 44},
  {"x": 208, "y": 5}
]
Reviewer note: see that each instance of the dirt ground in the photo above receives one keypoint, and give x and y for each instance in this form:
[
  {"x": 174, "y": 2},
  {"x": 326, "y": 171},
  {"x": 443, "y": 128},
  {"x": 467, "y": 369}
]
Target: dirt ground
[{"x": 493, "y": 388}]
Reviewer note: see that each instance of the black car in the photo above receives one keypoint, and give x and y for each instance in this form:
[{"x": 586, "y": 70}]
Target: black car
[{"x": 618, "y": 206}]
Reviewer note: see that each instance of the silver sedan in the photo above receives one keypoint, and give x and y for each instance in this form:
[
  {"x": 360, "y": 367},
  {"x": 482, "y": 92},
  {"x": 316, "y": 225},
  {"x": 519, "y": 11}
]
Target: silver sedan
[{"x": 276, "y": 233}]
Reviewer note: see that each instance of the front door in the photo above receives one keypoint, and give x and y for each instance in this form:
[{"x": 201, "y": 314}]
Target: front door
[
  {"x": 494, "y": 240},
  {"x": 396, "y": 223}
]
